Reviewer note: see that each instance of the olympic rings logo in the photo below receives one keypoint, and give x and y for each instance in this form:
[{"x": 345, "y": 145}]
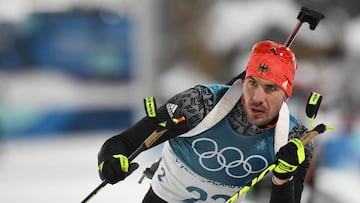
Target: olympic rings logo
[{"x": 240, "y": 163}]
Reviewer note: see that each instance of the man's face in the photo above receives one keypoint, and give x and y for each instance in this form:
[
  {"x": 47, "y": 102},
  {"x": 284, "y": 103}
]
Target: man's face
[{"x": 262, "y": 100}]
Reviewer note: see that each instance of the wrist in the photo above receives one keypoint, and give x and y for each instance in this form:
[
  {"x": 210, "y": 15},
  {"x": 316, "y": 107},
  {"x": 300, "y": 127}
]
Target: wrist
[{"x": 278, "y": 181}]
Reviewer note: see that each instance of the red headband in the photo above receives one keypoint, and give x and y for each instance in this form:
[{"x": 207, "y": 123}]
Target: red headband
[{"x": 273, "y": 62}]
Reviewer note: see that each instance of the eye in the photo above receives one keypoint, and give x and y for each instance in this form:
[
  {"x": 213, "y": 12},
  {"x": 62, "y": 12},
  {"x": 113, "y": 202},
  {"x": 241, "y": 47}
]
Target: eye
[
  {"x": 252, "y": 82},
  {"x": 272, "y": 88}
]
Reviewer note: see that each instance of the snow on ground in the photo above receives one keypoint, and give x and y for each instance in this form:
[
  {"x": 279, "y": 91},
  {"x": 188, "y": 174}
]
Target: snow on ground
[
  {"x": 62, "y": 170},
  {"x": 340, "y": 185}
]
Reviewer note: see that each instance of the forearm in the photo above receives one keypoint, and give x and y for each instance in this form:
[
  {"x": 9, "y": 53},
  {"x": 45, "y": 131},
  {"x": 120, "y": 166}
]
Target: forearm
[
  {"x": 282, "y": 191},
  {"x": 289, "y": 190},
  {"x": 127, "y": 141}
]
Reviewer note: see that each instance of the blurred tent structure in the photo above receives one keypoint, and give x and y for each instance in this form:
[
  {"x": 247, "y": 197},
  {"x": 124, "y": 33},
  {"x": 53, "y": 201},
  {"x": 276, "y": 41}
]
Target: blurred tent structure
[{"x": 73, "y": 73}]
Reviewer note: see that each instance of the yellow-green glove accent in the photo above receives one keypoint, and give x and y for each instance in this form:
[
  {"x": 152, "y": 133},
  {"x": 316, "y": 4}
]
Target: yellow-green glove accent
[
  {"x": 124, "y": 162},
  {"x": 101, "y": 166},
  {"x": 300, "y": 149}
]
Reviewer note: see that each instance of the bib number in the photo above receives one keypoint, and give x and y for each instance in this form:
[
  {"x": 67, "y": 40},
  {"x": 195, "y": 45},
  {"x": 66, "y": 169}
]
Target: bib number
[{"x": 200, "y": 195}]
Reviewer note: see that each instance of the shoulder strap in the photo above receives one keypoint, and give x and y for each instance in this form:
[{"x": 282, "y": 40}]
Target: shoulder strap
[
  {"x": 220, "y": 110},
  {"x": 282, "y": 128}
]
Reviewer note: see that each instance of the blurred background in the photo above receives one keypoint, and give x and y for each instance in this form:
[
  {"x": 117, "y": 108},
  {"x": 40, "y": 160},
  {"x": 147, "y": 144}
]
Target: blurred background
[{"x": 74, "y": 73}]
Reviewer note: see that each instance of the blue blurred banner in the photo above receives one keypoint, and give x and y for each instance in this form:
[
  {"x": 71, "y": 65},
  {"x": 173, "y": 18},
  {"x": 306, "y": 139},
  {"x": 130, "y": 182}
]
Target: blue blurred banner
[
  {"x": 79, "y": 42},
  {"x": 17, "y": 123},
  {"x": 342, "y": 152}
]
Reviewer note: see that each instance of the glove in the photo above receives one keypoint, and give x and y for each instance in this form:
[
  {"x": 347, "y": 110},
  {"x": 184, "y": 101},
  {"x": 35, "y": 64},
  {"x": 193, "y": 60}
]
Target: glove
[
  {"x": 116, "y": 168},
  {"x": 289, "y": 157}
]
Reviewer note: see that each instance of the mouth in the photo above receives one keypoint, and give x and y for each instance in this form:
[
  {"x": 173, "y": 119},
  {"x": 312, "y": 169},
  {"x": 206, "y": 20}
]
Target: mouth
[{"x": 257, "y": 112}]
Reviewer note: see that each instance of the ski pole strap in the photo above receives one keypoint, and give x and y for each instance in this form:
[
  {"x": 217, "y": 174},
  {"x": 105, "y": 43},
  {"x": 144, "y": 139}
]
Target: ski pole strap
[
  {"x": 150, "y": 107},
  {"x": 312, "y": 107}
]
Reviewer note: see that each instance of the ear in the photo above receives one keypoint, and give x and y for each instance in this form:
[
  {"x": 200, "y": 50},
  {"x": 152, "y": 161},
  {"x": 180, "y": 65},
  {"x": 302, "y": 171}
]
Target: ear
[{"x": 286, "y": 98}]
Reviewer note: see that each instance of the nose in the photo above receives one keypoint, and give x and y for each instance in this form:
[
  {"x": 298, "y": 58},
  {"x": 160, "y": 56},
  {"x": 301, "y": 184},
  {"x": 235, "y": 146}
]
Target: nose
[{"x": 259, "y": 95}]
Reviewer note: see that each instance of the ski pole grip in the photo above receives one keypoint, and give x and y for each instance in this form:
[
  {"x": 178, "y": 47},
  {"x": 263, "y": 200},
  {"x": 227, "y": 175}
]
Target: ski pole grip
[
  {"x": 313, "y": 133},
  {"x": 153, "y": 138}
]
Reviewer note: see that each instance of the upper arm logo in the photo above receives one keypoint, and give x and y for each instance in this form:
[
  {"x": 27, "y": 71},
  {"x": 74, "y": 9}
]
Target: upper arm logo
[{"x": 171, "y": 108}]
